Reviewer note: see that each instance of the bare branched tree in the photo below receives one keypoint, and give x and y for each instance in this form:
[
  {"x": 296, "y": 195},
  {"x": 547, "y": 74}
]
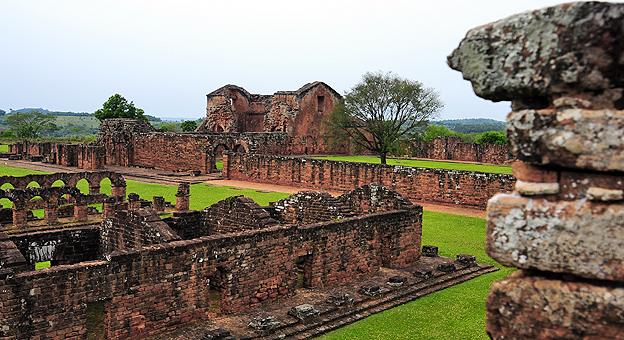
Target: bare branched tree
[{"x": 384, "y": 109}]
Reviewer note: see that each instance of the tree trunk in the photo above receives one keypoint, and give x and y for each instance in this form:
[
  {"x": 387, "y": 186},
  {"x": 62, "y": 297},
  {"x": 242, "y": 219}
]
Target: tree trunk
[{"x": 382, "y": 156}]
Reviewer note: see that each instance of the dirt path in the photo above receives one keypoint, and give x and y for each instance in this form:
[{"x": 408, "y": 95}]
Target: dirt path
[{"x": 457, "y": 210}]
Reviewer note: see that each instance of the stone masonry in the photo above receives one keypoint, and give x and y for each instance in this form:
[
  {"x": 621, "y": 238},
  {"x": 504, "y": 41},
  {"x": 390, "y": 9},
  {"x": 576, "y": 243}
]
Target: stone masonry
[{"x": 563, "y": 226}]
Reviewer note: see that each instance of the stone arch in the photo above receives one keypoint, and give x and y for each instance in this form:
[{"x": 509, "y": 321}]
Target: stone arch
[
  {"x": 83, "y": 185},
  {"x": 7, "y": 186},
  {"x": 33, "y": 184},
  {"x": 58, "y": 183},
  {"x": 36, "y": 204},
  {"x": 216, "y": 158}
]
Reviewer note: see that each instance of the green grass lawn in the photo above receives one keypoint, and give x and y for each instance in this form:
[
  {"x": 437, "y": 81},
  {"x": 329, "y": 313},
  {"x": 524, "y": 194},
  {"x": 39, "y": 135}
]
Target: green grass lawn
[
  {"x": 4, "y": 148},
  {"x": 454, "y": 313},
  {"x": 496, "y": 169}
]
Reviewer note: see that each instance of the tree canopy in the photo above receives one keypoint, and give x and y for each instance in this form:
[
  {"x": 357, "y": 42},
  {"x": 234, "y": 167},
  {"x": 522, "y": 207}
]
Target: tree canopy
[
  {"x": 118, "y": 107},
  {"x": 189, "y": 125},
  {"x": 383, "y": 109},
  {"x": 30, "y": 125}
]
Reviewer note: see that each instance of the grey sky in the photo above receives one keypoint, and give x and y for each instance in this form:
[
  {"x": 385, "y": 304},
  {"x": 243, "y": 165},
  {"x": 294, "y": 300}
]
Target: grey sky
[{"x": 166, "y": 55}]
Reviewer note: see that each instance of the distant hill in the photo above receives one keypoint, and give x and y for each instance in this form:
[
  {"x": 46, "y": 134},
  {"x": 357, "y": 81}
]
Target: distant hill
[
  {"x": 472, "y": 125},
  {"x": 69, "y": 113},
  {"x": 53, "y": 113}
]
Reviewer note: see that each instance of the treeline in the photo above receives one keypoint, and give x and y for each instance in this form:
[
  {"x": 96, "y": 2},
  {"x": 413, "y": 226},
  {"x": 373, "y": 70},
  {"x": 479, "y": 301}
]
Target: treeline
[{"x": 488, "y": 137}]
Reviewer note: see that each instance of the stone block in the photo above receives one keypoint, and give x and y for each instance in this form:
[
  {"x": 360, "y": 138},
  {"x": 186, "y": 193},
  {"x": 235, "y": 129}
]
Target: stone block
[
  {"x": 466, "y": 260},
  {"x": 536, "y": 189},
  {"x": 530, "y": 173},
  {"x": 430, "y": 251},
  {"x": 570, "y": 48},
  {"x": 573, "y": 138},
  {"x": 524, "y": 307},
  {"x": 579, "y": 237},
  {"x": 446, "y": 267},
  {"x": 264, "y": 323},
  {"x": 396, "y": 281},
  {"x": 304, "y": 312}
]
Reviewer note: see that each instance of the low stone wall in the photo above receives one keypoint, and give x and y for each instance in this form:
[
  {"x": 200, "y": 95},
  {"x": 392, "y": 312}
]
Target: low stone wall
[
  {"x": 141, "y": 292},
  {"x": 84, "y": 156},
  {"x": 417, "y": 184},
  {"x": 452, "y": 148}
]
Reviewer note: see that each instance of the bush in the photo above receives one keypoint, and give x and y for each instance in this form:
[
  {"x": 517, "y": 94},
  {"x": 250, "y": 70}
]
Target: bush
[{"x": 491, "y": 137}]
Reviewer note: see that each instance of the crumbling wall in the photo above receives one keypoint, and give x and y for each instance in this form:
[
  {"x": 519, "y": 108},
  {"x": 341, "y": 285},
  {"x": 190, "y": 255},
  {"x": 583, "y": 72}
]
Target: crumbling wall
[
  {"x": 128, "y": 229},
  {"x": 452, "y": 148},
  {"x": 416, "y": 184},
  {"x": 562, "y": 226},
  {"x": 60, "y": 247},
  {"x": 159, "y": 287},
  {"x": 236, "y": 213}
]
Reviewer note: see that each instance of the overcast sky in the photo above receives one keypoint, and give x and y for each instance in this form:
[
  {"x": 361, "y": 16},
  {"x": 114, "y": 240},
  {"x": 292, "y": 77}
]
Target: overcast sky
[{"x": 166, "y": 55}]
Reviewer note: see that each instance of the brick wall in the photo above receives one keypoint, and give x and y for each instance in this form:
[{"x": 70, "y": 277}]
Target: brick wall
[
  {"x": 130, "y": 230},
  {"x": 59, "y": 246},
  {"x": 145, "y": 291},
  {"x": 417, "y": 184},
  {"x": 452, "y": 148},
  {"x": 234, "y": 214}
]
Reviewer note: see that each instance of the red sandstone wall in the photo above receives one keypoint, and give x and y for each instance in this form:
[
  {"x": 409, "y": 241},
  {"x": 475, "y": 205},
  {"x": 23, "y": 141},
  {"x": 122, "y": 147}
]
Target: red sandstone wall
[
  {"x": 451, "y": 148},
  {"x": 160, "y": 287},
  {"x": 417, "y": 184},
  {"x": 171, "y": 151}
]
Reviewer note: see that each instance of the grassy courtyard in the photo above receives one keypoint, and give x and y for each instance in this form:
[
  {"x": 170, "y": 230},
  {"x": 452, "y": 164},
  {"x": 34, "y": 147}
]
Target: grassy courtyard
[
  {"x": 489, "y": 168},
  {"x": 454, "y": 313},
  {"x": 4, "y": 148}
]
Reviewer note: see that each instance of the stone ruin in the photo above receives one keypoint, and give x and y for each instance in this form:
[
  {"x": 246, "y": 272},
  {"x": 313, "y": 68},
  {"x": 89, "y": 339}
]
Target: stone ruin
[
  {"x": 562, "y": 68},
  {"x": 302, "y": 266}
]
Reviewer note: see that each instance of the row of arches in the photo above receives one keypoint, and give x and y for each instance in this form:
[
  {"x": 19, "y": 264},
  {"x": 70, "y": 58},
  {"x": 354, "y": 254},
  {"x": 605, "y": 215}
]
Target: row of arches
[{"x": 92, "y": 179}]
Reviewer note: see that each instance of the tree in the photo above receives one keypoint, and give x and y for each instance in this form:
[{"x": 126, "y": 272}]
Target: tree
[
  {"x": 383, "y": 109},
  {"x": 189, "y": 125},
  {"x": 492, "y": 137},
  {"x": 2, "y": 112},
  {"x": 118, "y": 107},
  {"x": 30, "y": 125}
]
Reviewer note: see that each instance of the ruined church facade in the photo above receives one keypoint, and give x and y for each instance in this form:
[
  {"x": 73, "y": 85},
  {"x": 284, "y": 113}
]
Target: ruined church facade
[{"x": 301, "y": 114}]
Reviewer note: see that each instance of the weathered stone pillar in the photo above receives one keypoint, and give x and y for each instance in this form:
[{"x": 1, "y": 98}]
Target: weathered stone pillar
[
  {"x": 80, "y": 212},
  {"x": 225, "y": 171},
  {"x": 158, "y": 203},
  {"x": 118, "y": 191},
  {"x": 108, "y": 207},
  {"x": 94, "y": 189},
  {"x": 51, "y": 215},
  {"x": 20, "y": 216},
  {"x": 134, "y": 201},
  {"x": 182, "y": 197},
  {"x": 561, "y": 67}
]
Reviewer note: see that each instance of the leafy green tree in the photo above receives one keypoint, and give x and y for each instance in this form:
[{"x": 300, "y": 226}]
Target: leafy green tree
[
  {"x": 383, "y": 109},
  {"x": 31, "y": 124},
  {"x": 492, "y": 137},
  {"x": 169, "y": 127},
  {"x": 433, "y": 131},
  {"x": 2, "y": 112},
  {"x": 118, "y": 107},
  {"x": 189, "y": 125}
]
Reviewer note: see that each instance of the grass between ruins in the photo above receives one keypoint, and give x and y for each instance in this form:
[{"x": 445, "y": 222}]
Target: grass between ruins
[
  {"x": 4, "y": 148},
  {"x": 420, "y": 163},
  {"x": 454, "y": 313}
]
